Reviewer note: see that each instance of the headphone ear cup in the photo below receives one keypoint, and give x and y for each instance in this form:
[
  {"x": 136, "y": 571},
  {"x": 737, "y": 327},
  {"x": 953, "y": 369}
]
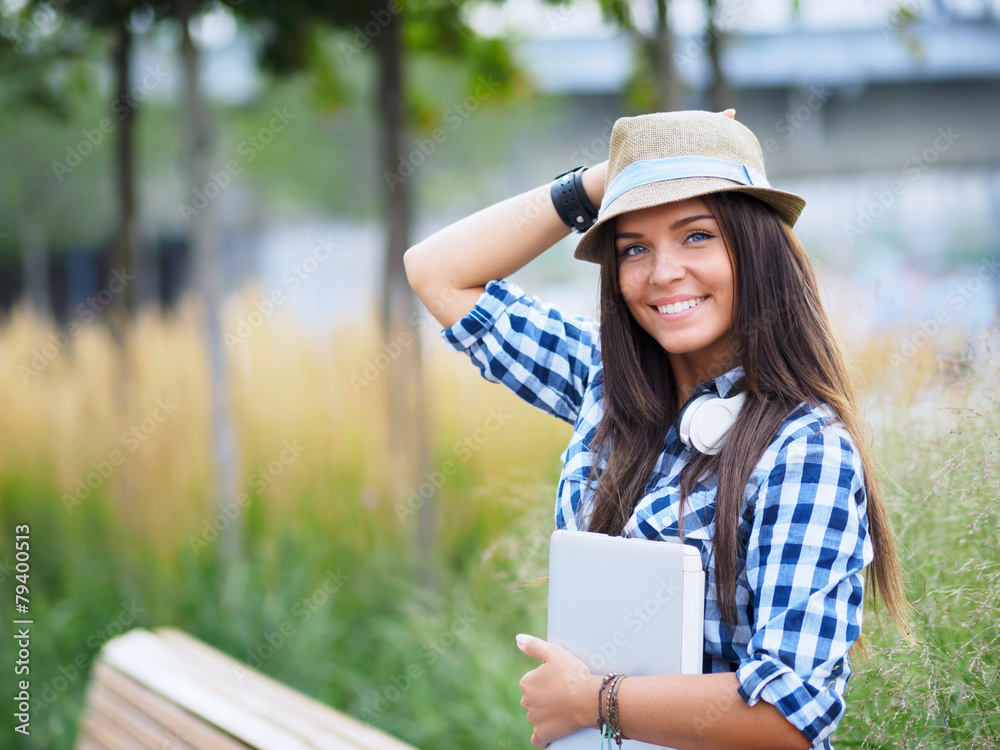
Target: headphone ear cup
[
  {"x": 707, "y": 421},
  {"x": 686, "y": 419}
]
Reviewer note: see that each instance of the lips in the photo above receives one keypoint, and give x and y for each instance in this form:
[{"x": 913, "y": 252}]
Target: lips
[{"x": 675, "y": 308}]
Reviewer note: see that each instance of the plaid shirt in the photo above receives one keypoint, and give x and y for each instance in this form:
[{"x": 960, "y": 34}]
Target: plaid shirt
[{"x": 804, "y": 524}]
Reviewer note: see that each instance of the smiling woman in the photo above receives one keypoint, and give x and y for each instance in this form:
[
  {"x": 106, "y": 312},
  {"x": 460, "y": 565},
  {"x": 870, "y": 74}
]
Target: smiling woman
[
  {"x": 678, "y": 246},
  {"x": 705, "y": 293}
]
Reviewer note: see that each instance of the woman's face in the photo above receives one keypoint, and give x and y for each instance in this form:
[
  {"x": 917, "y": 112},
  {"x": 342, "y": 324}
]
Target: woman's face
[{"x": 677, "y": 278}]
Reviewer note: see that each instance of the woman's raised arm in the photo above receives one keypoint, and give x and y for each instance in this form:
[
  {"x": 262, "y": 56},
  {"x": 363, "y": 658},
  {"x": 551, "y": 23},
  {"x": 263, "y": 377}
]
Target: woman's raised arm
[{"x": 450, "y": 269}]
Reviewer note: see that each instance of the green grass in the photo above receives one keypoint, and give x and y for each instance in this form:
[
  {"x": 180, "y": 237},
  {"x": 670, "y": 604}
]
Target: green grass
[
  {"x": 943, "y": 486},
  {"x": 124, "y": 558}
]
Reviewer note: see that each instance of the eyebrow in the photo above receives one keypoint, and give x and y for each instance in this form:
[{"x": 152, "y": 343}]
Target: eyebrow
[{"x": 676, "y": 225}]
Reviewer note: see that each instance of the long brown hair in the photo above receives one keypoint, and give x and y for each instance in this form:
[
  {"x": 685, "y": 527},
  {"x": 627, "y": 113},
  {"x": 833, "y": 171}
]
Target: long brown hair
[{"x": 781, "y": 336}]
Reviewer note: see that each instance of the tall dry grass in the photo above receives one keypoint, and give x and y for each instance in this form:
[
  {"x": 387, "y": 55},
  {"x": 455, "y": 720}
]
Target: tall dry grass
[
  {"x": 934, "y": 422},
  {"x": 130, "y": 538},
  {"x": 285, "y": 386}
]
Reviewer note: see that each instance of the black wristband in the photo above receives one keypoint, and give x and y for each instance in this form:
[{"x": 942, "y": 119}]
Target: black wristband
[{"x": 571, "y": 202}]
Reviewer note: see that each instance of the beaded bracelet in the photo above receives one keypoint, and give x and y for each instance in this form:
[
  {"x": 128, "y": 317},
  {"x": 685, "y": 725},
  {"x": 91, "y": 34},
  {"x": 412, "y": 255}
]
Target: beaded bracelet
[
  {"x": 607, "y": 720},
  {"x": 602, "y": 723}
]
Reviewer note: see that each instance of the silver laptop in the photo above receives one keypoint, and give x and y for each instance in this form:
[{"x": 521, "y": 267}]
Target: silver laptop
[{"x": 632, "y": 606}]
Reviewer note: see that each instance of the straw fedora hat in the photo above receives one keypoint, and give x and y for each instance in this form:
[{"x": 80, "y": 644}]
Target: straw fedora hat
[{"x": 671, "y": 156}]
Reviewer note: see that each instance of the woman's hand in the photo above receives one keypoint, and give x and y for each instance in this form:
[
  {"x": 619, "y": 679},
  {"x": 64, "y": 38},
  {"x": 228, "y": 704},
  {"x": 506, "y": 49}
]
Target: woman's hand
[{"x": 560, "y": 696}]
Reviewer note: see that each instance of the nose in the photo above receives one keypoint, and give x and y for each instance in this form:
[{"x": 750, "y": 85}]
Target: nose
[{"x": 666, "y": 268}]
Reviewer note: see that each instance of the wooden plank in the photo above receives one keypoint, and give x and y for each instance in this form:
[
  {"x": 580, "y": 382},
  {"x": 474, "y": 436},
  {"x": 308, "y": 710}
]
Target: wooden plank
[
  {"x": 290, "y": 703},
  {"x": 193, "y": 729},
  {"x": 293, "y": 706},
  {"x": 108, "y": 733},
  {"x": 256, "y": 693},
  {"x": 84, "y": 741},
  {"x": 143, "y": 657},
  {"x": 134, "y": 721}
]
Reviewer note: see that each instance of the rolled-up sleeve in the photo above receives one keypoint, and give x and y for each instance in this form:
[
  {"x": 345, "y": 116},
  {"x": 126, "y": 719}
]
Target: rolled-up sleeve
[
  {"x": 531, "y": 348},
  {"x": 808, "y": 546}
]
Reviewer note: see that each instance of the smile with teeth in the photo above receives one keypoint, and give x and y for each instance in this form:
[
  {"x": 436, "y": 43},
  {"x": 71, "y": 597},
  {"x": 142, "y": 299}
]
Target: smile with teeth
[{"x": 678, "y": 307}]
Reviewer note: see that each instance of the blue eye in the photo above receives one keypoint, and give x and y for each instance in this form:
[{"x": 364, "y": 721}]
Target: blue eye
[
  {"x": 700, "y": 236},
  {"x": 631, "y": 250}
]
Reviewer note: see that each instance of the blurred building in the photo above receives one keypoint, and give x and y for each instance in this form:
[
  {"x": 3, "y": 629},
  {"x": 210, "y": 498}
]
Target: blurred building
[
  {"x": 886, "y": 124},
  {"x": 882, "y": 115}
]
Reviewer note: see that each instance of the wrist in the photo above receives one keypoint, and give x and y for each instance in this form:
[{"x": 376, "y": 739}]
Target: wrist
[
  {"x": 587, "y": 710},
  {"x": 571, "y": 200},
  {"x": 593, "y": 182}
]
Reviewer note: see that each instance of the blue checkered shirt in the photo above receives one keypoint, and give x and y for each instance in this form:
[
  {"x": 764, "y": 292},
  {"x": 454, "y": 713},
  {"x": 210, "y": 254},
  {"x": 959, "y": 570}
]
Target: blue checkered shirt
[{"x": 804, "y": 524}]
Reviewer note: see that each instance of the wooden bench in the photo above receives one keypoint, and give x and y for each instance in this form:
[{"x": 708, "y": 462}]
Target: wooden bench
[{"x": 168, "y": 691}]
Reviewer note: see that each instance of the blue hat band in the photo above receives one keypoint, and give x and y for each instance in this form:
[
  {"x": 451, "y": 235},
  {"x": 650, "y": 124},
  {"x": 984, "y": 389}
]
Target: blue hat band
[{"x": 648, "y": 171}]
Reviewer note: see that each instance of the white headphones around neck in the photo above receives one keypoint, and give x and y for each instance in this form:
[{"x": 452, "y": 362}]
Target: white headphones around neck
[{"x": 704, "y": 421}]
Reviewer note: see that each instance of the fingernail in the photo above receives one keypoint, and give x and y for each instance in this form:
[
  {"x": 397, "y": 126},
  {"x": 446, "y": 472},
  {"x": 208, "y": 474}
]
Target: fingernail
[{"x": 522, "y": 639}]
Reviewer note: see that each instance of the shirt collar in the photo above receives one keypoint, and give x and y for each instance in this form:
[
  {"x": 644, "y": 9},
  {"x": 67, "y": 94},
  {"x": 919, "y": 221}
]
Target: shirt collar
[
  {"x": 727, "y": 380},
  {"x": 721, "y": 385}
]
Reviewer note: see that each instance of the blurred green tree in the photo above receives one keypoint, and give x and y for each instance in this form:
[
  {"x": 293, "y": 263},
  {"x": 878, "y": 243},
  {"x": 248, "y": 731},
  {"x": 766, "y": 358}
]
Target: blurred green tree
[
  {"x": 393, "y": 31},
  {"x": 116, "y": 17},
  {"x": 719, "y": 93},
  {"x": 205, "y": 248},
  {"x": 654, "y": 85},
  {"x": 43, "y": 70}
]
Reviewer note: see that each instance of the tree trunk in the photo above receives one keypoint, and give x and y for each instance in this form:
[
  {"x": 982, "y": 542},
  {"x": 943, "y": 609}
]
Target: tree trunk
[
  {"x": 35, "y": 265},
  {"x": 408, "y": 450},
  {"x": 146, "y": 262},
  {"x": 122, "y": 255},
  {"x": 205, "y": 252},
  {"x": 720, "y": 96},
  {"x": 668, "y": 98}
]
